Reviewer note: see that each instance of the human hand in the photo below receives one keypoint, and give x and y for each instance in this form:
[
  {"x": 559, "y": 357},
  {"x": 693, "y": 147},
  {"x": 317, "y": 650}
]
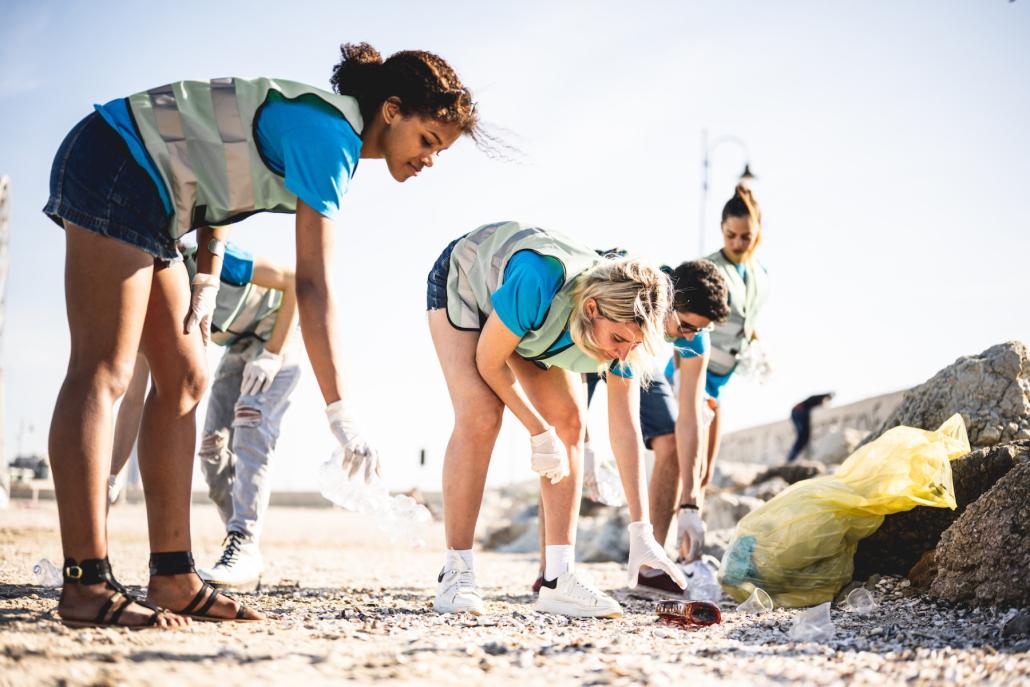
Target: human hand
[
  {"x": 202, "y": 305},
  {"x": 690, "y": 534},
  {"x": 358, "y": 456},
  {"x": 549, "y": 459},
  {"x": 644, "y": 550},
  {"x": 259, "y": 373}
]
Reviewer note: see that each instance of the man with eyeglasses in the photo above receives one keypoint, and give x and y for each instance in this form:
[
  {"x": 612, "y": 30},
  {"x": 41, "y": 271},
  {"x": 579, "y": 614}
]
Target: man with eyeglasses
[{"x": 675, "y": 428}]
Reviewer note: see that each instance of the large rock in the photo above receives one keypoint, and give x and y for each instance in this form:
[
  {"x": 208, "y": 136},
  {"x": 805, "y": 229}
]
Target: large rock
[
  {"x": 604, "y": 537},
  {"x": 735, "y": 475},
  {"x": 904, "y": 538},
  {"x": 991, "y": 391},
  {"x": 835, "y": 446},
  {"x": 984, "y": 558},
  {"x": 724, "y": 511},
  {"x": 792, "y": 472}
]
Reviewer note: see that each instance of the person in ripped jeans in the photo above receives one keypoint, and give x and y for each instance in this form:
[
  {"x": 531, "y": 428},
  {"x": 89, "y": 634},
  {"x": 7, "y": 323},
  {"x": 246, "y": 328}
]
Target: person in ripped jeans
[{"x": 254, "y": 318}]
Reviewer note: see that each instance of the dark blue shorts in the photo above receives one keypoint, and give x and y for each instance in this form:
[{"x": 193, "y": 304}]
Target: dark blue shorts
[
  {"x": 657, "y": 407},
  {"x": 96, "y": 184},
  {"x": 436, "y": 286}
]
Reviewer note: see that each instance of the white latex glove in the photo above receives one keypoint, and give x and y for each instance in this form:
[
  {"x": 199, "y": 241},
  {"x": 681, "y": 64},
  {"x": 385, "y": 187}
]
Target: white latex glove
[
  {"x": 259, "y": 373},
  {"x": 690, "y": 534},
  {"x": 644, "y": 550},
  {"x": 550, "y": 458},
  {"x": 358, "y": 456},
  {"x": 202, "y": 305}
]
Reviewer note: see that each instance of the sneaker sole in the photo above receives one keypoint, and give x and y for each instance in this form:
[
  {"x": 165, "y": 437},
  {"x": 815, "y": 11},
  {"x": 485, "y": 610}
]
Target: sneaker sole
[
  {"x": 250, "y": 586},
  {"x": 574, "y": 611},
  {"x": 442, "y": 611}
]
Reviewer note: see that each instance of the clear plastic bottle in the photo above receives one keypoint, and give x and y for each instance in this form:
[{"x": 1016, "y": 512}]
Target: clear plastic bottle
[
  {"x": 400, "y": 517},
  {"x": 47, "y": 574}
]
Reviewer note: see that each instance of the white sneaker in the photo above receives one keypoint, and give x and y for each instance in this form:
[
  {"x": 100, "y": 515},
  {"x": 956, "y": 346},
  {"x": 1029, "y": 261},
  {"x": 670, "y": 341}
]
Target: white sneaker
[
  {"x": 572, "y": 596},
  {"x": 240, "y": 566},
  {"x": 456, "y": 591}
]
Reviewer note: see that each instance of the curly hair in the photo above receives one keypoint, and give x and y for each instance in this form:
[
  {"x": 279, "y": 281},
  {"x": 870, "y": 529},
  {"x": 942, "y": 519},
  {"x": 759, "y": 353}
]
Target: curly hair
[
  {"x": 699, "y": 288},
  {"x": 423, "y": 82},
  {"x": 625, "y": 290}
]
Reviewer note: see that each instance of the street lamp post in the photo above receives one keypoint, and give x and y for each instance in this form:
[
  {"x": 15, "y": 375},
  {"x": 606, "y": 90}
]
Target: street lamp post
[{"x": 707, "y": 151}]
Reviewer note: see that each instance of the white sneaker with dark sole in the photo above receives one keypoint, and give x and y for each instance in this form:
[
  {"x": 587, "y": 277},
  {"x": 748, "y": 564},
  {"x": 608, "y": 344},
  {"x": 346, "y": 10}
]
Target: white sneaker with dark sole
[
  {"x": 456, "y": 591},
  {"x": 239, "y": 567},
  {"x": 572, "y": 596}
]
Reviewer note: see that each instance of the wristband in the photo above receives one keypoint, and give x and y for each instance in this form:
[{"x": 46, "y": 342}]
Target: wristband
[{"x": 688, "y": 506}]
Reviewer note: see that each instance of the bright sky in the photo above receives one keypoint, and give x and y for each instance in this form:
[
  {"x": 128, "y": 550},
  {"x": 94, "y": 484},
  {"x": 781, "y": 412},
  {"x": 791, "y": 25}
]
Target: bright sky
[{"x": 890, "y": 139}]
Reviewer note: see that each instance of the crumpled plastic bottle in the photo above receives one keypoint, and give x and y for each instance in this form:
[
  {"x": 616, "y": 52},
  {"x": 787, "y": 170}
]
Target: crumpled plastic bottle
[
  {"x": 688, "y": 613},
  {"x": 601, "y": 482},
  {"x": 399, "y": 517},
  {"x": 754, "y": 364},
  {"x": 861, "y": 601},
  {"x": 813, "y": 625},
  {"x": 47, "y": 574},
  {"x": 759, "y": 602},
  {"x": 702, "y": 581}
]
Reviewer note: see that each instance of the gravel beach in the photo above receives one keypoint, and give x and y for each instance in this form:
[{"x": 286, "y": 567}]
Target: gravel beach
[{"x": 345, "y": 604}]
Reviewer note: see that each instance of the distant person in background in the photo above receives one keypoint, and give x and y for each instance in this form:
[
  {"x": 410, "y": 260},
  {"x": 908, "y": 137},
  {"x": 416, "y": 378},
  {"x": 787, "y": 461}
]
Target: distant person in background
[
  {"x": 748, "y": 285},
  {"x": 801, "y": 416},
  {"x": 255, "y": 318}
]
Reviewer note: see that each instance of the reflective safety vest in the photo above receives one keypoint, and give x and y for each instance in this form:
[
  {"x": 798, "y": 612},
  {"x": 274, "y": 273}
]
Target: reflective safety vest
[
  {"x": 201, "y": 136},
  {"x": 477, "y": 266},
  {"x": 247, "y": 311},
  {"x": 732, "y": 337}
]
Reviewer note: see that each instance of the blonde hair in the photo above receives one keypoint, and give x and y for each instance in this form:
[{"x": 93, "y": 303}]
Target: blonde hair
[{"x": 625, "y": 290}]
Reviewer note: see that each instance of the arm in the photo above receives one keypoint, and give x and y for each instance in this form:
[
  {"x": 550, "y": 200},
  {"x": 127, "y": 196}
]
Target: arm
[
  {"x": 274, "y": 276},
  {"x": 496, "y": 344},
  {"x": 689, "y": 425},
  {"x": 315, "y": 301},
  {"x": 206, "y": 262},
  {"x": 627, "y": 445}
]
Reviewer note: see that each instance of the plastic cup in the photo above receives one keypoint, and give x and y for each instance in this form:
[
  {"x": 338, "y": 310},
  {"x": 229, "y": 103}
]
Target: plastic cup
[{"x": 759, "y": 602}]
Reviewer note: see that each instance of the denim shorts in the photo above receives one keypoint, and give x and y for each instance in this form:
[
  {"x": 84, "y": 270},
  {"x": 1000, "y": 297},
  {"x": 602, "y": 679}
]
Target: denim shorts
[
  {"x": 436, "y": 286},
  {"x": 96, "y": 184},
  {"x": 657, "y": 407}
]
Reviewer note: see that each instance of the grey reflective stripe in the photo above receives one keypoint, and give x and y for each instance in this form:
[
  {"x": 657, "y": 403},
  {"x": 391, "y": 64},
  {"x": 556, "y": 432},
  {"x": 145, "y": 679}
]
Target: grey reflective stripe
[
  {"x": 169, "y": 126},
  {"x": 235, "y": 142}
]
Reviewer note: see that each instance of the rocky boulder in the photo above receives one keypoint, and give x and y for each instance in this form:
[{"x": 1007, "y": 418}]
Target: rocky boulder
[
  {"x": 835, "y": 446},
  {"x": 723, "y": 511},
  {"x": 792, "y": 472},
  {"x": 990, "y": 390},
  {"x": 984, "y": 557},
  {"x": 904, "y": 538}
]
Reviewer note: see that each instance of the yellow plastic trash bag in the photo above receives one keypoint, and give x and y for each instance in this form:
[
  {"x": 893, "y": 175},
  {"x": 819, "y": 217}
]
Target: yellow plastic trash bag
[{"x": 800, "y": 546}]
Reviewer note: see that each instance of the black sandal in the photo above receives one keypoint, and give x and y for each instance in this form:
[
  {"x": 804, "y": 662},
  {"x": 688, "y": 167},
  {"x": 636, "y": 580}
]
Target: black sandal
[
  {"x": 181, "y": 563},
  {"x": 96, "y": 571}
]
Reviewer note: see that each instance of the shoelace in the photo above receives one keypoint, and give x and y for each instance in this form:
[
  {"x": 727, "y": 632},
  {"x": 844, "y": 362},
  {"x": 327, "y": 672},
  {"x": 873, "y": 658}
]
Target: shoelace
[
  {"x": 232, "y": 543},
  {"x": 462, "y": 581},
  {"x": 584, "y": 589}
]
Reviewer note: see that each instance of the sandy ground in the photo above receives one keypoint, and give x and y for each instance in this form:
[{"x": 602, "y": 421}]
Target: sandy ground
[{"x": 344, "y": 604}]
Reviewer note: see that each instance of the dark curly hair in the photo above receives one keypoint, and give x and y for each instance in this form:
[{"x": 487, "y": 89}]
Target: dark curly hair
[
  {"x": 423, "y": 82},
  {"x": 699, "y": 288}
]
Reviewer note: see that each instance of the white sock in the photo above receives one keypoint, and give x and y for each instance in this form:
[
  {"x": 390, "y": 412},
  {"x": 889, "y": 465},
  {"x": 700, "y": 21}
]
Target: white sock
[
  {"x": 558, "y": 560},
  {"x": 465, "y": 555}
]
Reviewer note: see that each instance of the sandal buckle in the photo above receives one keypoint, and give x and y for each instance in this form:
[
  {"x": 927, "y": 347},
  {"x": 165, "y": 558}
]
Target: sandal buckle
[{"x": 73, "y": 572}]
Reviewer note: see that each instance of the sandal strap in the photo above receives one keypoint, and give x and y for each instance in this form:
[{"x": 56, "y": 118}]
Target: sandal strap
[
  {"x": 87, "y": 571},
  {"x": 171, "y": 563},
  {"x": 241, "y": 612},
  {"x": 188, "y": 610},
  {"x": 202, "y": 611},
  {"x": 108, "y": 603},
  {"x": 126, "y": 602}
]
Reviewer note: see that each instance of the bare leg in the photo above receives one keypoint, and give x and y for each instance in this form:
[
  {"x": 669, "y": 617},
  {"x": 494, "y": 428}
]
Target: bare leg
[
  {"x": 126, "y": 427},
  {"x": 169, "y": 433},
  {"x": 107, "y": 287},
  {"x": 477, "y": 421},
  {"x": 665, "y": 487}
]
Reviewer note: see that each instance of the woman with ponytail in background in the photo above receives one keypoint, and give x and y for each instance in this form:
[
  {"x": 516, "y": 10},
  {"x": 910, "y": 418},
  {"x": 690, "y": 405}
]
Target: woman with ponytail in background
[
  {"x": 748, "y": 285},
  {"x": 127, "y": 182}
]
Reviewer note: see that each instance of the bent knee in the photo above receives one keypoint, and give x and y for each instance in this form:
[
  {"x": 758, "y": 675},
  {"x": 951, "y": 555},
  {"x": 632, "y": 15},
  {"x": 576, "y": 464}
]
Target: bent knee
[
  {"x": 570, "y": 425},
  {"x": 247, "y": 415},
  {"x": 106, "y": 377},
  {"x": 482, "y": 420}
]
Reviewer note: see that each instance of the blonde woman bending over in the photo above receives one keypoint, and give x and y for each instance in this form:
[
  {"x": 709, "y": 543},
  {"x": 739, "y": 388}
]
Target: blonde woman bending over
[{"x": 516, "y": 314}]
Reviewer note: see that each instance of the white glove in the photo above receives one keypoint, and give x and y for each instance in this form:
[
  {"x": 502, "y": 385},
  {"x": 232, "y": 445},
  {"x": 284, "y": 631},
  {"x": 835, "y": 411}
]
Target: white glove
[
  {"x": 259, "y": 373},
  {"x": 358, "y": 456},
  {"x": 690, "y": 534},
  {"x": 644, "y": 550},
  {"x": 550, "y": 458},
  {"x": 202, "y": 305}
]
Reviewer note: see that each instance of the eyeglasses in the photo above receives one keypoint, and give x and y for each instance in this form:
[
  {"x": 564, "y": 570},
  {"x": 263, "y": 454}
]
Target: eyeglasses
[{"x": 687, "y": 328}]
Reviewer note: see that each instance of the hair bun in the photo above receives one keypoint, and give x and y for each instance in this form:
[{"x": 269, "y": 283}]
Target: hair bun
[{"x": 360, "y": 53}]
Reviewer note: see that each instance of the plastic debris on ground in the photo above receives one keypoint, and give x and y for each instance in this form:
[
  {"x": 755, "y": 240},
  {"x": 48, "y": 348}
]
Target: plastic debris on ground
[
  {"x": 47, "y": 574},
  {"x": 601, "y": 481},
  {"x": 860, "y": 601},
  {"x": 800, "y": 545},
  {"x": 759, "y": 602},
  {"x": 688, "y": 613},
  {"x": 401, "y": 518},
  {"x": 702, "y": 579},
  {"x": 813, "y": 625}
]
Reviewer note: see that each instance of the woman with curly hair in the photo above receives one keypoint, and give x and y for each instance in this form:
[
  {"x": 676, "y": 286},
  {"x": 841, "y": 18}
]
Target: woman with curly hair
[
  {"x": 127, "y": 182},
  {"x": 516, "y": 314}
]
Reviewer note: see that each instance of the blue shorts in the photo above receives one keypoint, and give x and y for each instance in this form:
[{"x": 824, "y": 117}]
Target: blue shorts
[
  {"x": 436, "y": 283},
  {"x": 96, "y": 184},
  {"x": 658, "y": 408}
]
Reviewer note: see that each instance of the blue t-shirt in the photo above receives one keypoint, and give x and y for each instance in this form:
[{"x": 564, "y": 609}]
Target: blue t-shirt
[
  {"x": 531, "y": 281},
  {"x": 688, "y": 348},
  {"x": 237, "y": 266},
  {"x": 307, "y": 141}
]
